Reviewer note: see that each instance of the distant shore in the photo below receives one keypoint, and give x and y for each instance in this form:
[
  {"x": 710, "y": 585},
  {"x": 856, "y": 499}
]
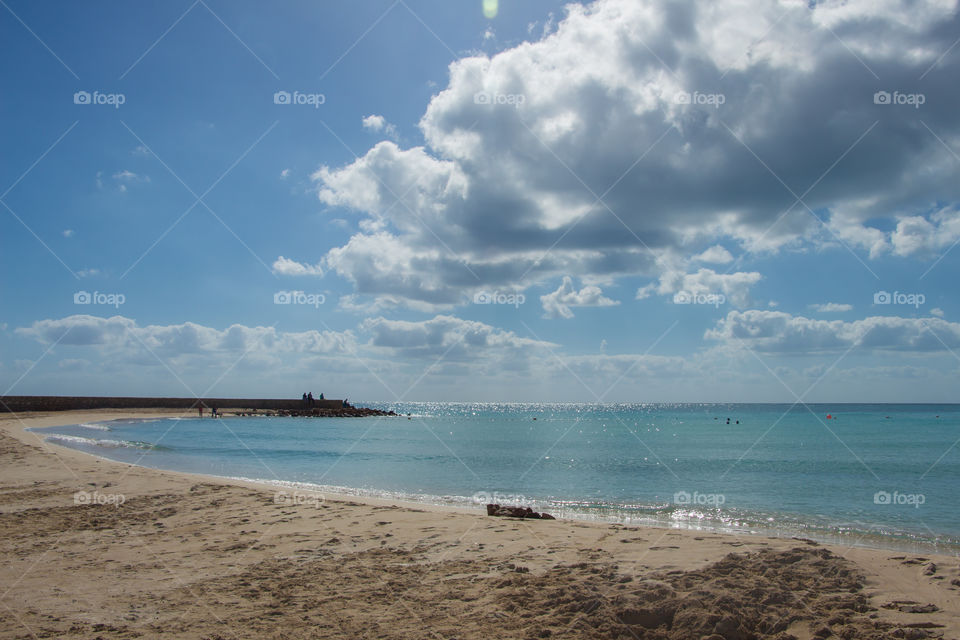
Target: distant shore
[{"x": 95, "y": 548}]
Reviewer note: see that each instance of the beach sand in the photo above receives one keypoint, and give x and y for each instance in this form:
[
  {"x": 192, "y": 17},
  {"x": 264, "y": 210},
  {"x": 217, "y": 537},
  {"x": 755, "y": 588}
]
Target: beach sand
[{"x": 198, "y": 557}]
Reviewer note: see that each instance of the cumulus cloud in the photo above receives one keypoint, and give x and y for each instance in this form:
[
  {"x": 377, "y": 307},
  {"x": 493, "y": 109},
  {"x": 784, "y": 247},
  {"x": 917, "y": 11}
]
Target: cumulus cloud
[
  {"x": 715, "y": 255},
  {"x": 779, "y": 332},
  {"x": 620, "y": 100},
  {"x": 557, "y": 304},
  {"x": 119, "y": 333},
  {"x": 378, "y": 123},
  {"x": 735, "y": 287},
  {"x": 457, "y": 338},
  {"x": 286, "y": 267},
  {"x": 918, "y": 235}
]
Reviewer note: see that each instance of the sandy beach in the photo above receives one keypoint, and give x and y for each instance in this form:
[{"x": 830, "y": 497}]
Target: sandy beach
[{"x": 98, "y": 549}]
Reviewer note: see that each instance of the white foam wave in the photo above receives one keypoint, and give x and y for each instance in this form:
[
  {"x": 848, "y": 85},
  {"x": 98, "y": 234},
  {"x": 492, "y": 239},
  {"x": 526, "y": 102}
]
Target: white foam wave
[
  {"x": 96, "y": 442},
  {"x": 98, "y": 427}
]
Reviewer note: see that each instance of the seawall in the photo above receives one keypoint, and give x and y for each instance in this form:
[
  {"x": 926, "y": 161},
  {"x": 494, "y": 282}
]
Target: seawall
[{"x": 69, "y": 403}]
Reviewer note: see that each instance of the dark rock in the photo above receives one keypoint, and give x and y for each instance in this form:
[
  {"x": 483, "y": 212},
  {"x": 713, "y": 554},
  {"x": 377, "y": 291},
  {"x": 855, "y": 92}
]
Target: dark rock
[{"x": 516, "y": 512}]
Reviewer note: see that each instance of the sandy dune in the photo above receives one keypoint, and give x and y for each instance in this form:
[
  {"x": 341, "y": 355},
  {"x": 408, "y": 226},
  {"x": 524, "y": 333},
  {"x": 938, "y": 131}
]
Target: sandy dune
[{"x": 159, "y": 553}]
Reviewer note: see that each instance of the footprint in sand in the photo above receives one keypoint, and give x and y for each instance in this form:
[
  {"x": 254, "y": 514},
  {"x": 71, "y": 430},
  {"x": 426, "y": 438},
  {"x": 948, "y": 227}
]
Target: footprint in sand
[{"x": 663, "y": 547}]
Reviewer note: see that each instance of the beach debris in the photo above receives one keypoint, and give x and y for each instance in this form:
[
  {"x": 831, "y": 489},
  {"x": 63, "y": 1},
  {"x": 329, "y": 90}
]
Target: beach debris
[{"x": 516, "y": 512}]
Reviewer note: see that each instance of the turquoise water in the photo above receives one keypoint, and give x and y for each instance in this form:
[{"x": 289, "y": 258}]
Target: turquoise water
[{"x": 876, "y": 475}]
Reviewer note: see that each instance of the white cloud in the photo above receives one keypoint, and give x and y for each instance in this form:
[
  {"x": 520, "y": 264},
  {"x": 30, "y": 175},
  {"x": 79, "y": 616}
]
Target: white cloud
[
  {"x": 735, "y": 287},
  {"x": 378, "y": 123},
  {"x": 557, "y": 304},
  {"x": 832, "y": 307},
  {"x": 457, "y": 338},
  {"x": 68, "y": 233},
  {"x": 122, "y": 334},
  {"x": 779, "y": 332},
  {"x": 715, "y": 255},
  {"x": 286, "y": 267},
  {"x": 598, "y": 80},
  {"x": 285, "y": 174},
  {"x": 916, "y": 235},
  {"x": 503, "y": 178},
  {"x": 124, "y": 178},
  {"x": 937, "y": 312}
]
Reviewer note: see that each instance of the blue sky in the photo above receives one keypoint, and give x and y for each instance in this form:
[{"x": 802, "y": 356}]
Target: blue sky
[{"x": 620, "y": 201}]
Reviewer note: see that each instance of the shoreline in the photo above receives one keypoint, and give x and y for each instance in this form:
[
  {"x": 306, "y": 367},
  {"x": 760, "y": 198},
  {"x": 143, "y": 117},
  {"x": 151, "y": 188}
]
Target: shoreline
[
  {"x": 822, "y": 535},
  {"x": 224, "y": 556}
]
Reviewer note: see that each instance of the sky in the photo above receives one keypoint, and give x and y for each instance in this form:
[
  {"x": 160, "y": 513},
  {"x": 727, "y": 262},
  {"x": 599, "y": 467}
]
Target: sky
[{"x": 615, "y": 201}]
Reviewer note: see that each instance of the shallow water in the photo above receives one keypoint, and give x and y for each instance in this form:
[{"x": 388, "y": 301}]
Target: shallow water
[{"x": 876, "y": 475}]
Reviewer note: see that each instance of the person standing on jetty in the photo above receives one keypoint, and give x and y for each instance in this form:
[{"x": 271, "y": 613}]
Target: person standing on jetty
[{"x": 310, "y": 399}]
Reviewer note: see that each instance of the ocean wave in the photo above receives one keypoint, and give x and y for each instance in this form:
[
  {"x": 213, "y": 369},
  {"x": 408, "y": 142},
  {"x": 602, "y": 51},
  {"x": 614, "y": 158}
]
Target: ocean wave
[
  {"x": 97, "y": 442},
  {"x": 98, "y": 427}
]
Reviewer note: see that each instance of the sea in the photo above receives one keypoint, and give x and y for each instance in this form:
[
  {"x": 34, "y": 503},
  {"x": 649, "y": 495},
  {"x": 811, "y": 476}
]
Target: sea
[{"x": 874, "y": 475}]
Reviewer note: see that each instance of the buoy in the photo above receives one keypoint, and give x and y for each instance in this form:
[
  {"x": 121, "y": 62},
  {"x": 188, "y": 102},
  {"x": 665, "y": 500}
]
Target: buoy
[{"x": 829, "y": 417}]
